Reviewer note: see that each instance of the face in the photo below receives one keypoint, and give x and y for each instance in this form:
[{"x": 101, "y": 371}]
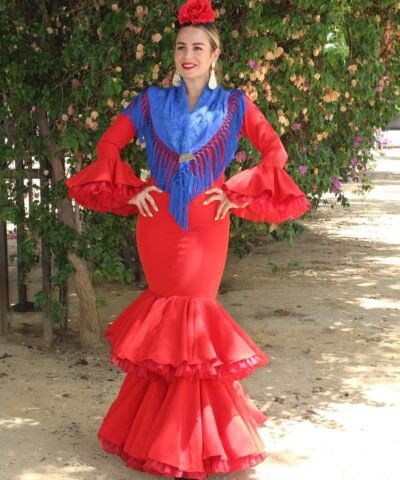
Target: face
[{"x": 193, "y": 55}]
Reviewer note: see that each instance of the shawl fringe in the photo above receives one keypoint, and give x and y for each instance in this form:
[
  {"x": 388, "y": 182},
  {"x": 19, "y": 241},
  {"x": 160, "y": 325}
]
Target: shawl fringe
[{"x": 186, "y": 180}]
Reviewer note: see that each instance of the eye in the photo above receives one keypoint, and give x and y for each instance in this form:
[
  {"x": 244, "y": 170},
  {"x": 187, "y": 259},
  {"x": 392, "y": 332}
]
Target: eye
[{"x": 181, "y": 47}]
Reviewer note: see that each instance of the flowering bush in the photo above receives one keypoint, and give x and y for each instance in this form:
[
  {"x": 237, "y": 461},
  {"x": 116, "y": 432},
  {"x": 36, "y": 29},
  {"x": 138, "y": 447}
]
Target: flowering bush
[
  {"x": 325, "y": 73},
  {"x": 326, "y": 76}
]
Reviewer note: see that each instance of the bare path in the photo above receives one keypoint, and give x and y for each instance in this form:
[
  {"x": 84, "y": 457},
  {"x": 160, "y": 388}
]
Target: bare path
[{"x": 328, "y": 317}]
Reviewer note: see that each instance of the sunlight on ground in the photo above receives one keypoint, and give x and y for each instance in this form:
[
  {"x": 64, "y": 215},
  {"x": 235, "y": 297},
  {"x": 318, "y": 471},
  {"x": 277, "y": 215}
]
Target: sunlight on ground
[
  {"x": 351, "y": 439},
  {"x": 381, "y": 192},
  {"x": 370, "y": 303},
  {"x": 48, "y": 473},
  {"x": 384, "y": 229},
  {"x": 17, "y": 422},
  {"x": 387, "y": 260},
  {"x": 328, "y": 358},
  {"x": 317, "y": 451},
  {"x": 372, "y": 224}
]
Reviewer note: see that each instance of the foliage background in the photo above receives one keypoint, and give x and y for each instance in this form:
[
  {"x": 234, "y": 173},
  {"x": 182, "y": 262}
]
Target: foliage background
[{"x": 325, "y": 73}]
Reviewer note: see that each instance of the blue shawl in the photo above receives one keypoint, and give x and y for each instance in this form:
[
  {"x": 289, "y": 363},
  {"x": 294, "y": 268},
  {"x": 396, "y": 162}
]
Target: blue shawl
[{"x": 187, "y": 151}]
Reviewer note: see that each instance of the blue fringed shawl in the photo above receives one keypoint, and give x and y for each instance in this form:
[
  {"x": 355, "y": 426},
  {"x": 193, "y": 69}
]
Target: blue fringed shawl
[{"x": 210, "y": 133}]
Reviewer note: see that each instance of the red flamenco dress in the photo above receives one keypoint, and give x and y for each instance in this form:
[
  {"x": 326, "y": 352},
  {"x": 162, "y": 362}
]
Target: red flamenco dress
[{"x": 181, "y": 410}]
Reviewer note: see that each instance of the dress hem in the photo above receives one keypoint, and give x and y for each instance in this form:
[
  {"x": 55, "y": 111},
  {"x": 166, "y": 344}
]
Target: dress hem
[
  {"x": 204, "y": 371},
  {"x": 211, "y": 465}
]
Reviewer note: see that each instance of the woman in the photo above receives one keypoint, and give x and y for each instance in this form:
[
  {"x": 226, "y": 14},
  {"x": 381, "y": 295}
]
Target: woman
[{"x": 181, "y": 411}]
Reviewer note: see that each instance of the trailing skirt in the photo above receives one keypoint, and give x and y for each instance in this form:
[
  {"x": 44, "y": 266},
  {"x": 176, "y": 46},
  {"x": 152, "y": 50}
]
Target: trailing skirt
[{"x": 181, "y": 410}]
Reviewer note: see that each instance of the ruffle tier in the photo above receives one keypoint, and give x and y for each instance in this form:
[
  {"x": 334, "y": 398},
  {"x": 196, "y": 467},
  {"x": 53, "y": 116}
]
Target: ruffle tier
[
  {"x": 179, "y": 337},
  {"x": 183, "y": 429},
  {"x": 271, "y": 194},
  {"x": 106, "y": 185}
]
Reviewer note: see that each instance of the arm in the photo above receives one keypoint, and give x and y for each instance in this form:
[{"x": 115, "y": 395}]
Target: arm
[
  {"x": 265, "y": 193},
  {"x": 107, "y": 184}
]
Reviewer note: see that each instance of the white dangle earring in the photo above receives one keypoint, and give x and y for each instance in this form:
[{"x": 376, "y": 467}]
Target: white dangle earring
[
  {"x": 212, "y": 82},
  {"x": 176, "y": 79}
]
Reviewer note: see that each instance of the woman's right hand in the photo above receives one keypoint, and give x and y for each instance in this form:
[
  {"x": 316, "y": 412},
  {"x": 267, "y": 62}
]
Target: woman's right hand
[{"x": 143, "y": 199}]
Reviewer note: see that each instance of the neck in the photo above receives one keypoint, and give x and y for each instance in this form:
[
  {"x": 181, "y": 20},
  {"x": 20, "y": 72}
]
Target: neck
[{"x": 195, "y": 86}]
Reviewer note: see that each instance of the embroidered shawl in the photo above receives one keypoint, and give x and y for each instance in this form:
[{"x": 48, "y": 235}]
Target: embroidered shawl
[{"x": 208, "y": 136}]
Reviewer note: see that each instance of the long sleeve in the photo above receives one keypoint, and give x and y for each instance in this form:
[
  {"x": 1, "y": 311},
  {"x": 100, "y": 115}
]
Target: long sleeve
[
  {"x": 108, "y": 183},
  {"x": 269, "y": 192}
]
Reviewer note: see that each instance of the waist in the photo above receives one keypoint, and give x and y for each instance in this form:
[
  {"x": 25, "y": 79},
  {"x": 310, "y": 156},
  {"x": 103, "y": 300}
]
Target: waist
[{"x": 201, "y": 196}]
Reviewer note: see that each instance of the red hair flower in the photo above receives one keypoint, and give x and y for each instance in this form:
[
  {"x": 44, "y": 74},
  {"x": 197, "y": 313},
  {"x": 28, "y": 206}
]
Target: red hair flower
[{"x": 196, "y": 11}]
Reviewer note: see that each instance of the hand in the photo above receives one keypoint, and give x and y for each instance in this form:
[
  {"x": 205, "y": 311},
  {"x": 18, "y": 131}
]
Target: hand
[
  {"x": 143, "y": 199},
  {"x": 224, "y": 206}
]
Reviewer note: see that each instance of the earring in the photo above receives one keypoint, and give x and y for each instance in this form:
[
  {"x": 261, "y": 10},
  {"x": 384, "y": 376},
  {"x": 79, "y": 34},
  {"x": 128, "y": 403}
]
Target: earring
[
  {"x": 212, "y": 82},
  {"x": 176, "y": 79}
]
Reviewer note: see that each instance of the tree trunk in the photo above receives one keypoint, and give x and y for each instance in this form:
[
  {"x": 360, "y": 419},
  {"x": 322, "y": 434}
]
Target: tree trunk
[{"x": 90, "y": 328}]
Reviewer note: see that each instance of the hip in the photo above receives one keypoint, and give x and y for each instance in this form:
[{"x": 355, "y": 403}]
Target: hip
[{"x": 200, "y": 216}]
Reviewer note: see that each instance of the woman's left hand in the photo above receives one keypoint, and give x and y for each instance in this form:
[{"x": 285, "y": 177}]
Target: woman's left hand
[{"x": 225, "y": 204}]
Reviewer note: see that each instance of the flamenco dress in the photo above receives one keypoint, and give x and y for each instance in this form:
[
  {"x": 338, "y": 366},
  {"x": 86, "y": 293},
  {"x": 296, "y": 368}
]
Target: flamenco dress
[{"x": 181, "y": 410}]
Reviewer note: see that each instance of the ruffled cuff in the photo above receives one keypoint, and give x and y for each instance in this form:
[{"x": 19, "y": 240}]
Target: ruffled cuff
[
  {"x": 106, "y": 185},
  {"x": 269, "y": 192}
]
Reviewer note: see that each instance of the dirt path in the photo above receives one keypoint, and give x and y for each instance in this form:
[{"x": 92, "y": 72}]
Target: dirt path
[{"x": 328, "y": 317}]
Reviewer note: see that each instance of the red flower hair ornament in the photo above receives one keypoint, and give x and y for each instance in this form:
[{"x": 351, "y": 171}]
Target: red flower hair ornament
[{"x": 196, "y": 11}]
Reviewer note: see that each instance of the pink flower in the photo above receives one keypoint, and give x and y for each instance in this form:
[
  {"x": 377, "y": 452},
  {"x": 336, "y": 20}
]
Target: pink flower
[
  {"x": 379, "y": 89},
  {"x": 252, "y": 64},
  {"x": 336, "y": 185},
  {"x": 303, "y": 169},
  {"x": 240, "y": 157},
  {"x": 354, "y": 161},
  {"x": 304, "y": 150},
  {"x": 357, "y": 141},
  {"x": 296, "y": 127}
]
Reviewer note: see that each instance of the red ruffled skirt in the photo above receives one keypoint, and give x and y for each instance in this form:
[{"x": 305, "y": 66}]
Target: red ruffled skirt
[{"x": 181, "y": 411}]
